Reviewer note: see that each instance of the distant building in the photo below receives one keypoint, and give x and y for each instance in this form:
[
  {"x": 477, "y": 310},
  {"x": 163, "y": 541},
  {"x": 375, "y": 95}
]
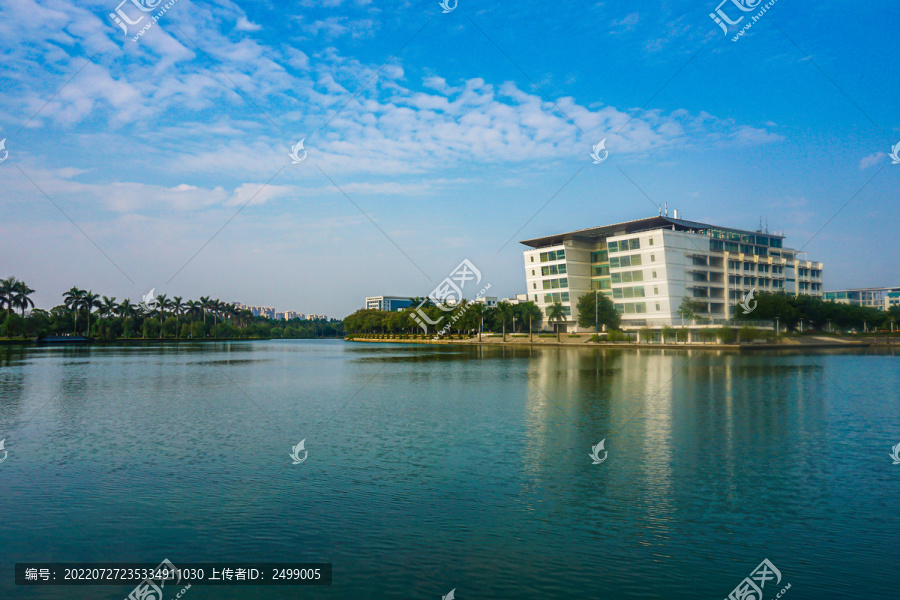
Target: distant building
[
  {"x": 648, "y": 266},
  {"x": 883, "y": 298},
  {"x": 312, "y": 317},
  {"x": 388, "y": 303},
  {"x": 519, "y": 299},
  {"x": 488, "y": 301}
]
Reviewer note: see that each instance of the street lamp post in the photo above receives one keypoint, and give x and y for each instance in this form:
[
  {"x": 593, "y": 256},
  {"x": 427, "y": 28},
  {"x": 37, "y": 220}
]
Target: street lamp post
[
  {"x": 776, "y": 326},
  {"x": 596, "y": 320}
]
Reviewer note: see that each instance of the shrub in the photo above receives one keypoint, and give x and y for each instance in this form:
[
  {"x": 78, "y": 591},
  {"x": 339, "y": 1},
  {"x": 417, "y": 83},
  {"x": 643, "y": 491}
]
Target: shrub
[
  {"x": 747, "y": 333},
  {"x": 616, "y": 336},
  {"x": 725, "y": 334}
]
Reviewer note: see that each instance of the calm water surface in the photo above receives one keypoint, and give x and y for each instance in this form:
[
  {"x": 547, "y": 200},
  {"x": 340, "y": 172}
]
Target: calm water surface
[{"x": 440, "y": 467}]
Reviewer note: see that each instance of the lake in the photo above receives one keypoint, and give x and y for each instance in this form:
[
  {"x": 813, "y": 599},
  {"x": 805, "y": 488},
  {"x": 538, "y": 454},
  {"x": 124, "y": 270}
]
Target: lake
[{"x": 440, "y": 467}]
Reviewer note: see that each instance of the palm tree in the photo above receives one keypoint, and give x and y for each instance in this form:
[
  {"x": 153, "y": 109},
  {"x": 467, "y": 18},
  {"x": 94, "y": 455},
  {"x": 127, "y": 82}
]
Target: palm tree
[
  {"x": 108, "y": 307},
  {"x": 531, "y": 311},
  {"x": 162, "y": 303},
  {"x": 177, "y": 309},
  {"x": 20, "y": 296},
  {"x": 7, "y": 293},
  {"x": 504, "y": 309},
  {"x": 72, "y": 300},
  {"x": 90, "y": 301},
  {"x": 556, "y": 312},
  {"x": 193, "y": 309},
  {"x": 217, "y": 306},
  {"x": 205, "y": 304}
]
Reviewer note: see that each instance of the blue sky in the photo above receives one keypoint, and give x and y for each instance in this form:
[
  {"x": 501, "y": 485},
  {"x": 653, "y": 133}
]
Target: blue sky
[{"x": 444, "y": 152}]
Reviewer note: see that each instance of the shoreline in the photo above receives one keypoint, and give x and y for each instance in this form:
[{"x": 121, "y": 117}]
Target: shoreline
[
  {"x": 32, "y": 342},
  {"x": 796, "y": 345}
]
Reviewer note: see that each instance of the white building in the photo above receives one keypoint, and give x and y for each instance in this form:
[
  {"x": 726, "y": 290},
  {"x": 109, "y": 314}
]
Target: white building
[
  {"x": 883, "y": 298},
  {"x": 388, "y": 303},
  {"x": 649, "y": 266}
]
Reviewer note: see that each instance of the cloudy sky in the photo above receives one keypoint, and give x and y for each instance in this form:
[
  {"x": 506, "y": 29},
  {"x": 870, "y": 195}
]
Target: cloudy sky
[{"x": 430, "y": 137}]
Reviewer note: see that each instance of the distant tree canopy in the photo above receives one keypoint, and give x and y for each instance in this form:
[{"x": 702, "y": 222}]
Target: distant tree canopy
[
  {"x": 92, "y": 315},
  {"x": 468, "y": 318},
  {"x": 816, "y": 313}
]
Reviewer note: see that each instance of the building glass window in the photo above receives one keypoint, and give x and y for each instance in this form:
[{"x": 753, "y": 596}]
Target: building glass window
[
  {"x": 617, "y": 292},
  {"x": 613, "y": 246},
  {"x": 636, "y": 260},
  {"x": 616, "y": 278},
  {"x": 635, "y": 244},
  {"x": 625, "y": 261}
]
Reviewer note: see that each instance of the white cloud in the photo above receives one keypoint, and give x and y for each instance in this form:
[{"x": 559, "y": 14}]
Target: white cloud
[
  {"x": 871, "y": 160},
  {"x": 243, "y": 24}
]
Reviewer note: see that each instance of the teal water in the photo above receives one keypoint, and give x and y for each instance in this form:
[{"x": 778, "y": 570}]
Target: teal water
[{"x": 440, "y": 467}]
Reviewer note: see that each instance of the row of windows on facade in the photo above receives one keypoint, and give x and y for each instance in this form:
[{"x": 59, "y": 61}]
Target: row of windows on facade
[{"x": 551, "y": 255}]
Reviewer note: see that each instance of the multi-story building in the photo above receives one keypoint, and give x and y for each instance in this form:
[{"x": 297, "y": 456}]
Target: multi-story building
[
  {"x": 883, "y": 298},
  {"x": 388, "y": 303},
  {"x": 649, "y": 266}
]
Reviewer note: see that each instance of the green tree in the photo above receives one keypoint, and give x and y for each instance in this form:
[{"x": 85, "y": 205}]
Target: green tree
[
  {"x": 690, "y": 308},
  {"x": 595, "y": 309}
]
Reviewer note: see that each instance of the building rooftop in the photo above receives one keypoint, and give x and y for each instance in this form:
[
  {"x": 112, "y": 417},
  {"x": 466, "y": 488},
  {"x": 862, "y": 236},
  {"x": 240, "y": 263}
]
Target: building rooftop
[{"x": 593, "y": 233}]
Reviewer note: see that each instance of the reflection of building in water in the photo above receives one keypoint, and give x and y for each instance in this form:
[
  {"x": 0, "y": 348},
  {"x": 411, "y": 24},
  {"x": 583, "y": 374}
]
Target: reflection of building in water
[{"x": 687, "y": 431}]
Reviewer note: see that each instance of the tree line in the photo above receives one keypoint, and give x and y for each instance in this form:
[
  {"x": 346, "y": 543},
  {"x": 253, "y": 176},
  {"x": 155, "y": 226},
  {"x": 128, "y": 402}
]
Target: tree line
[
  {"x": 82, "y": 312},
  {"x": 472, "y": 317}
]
